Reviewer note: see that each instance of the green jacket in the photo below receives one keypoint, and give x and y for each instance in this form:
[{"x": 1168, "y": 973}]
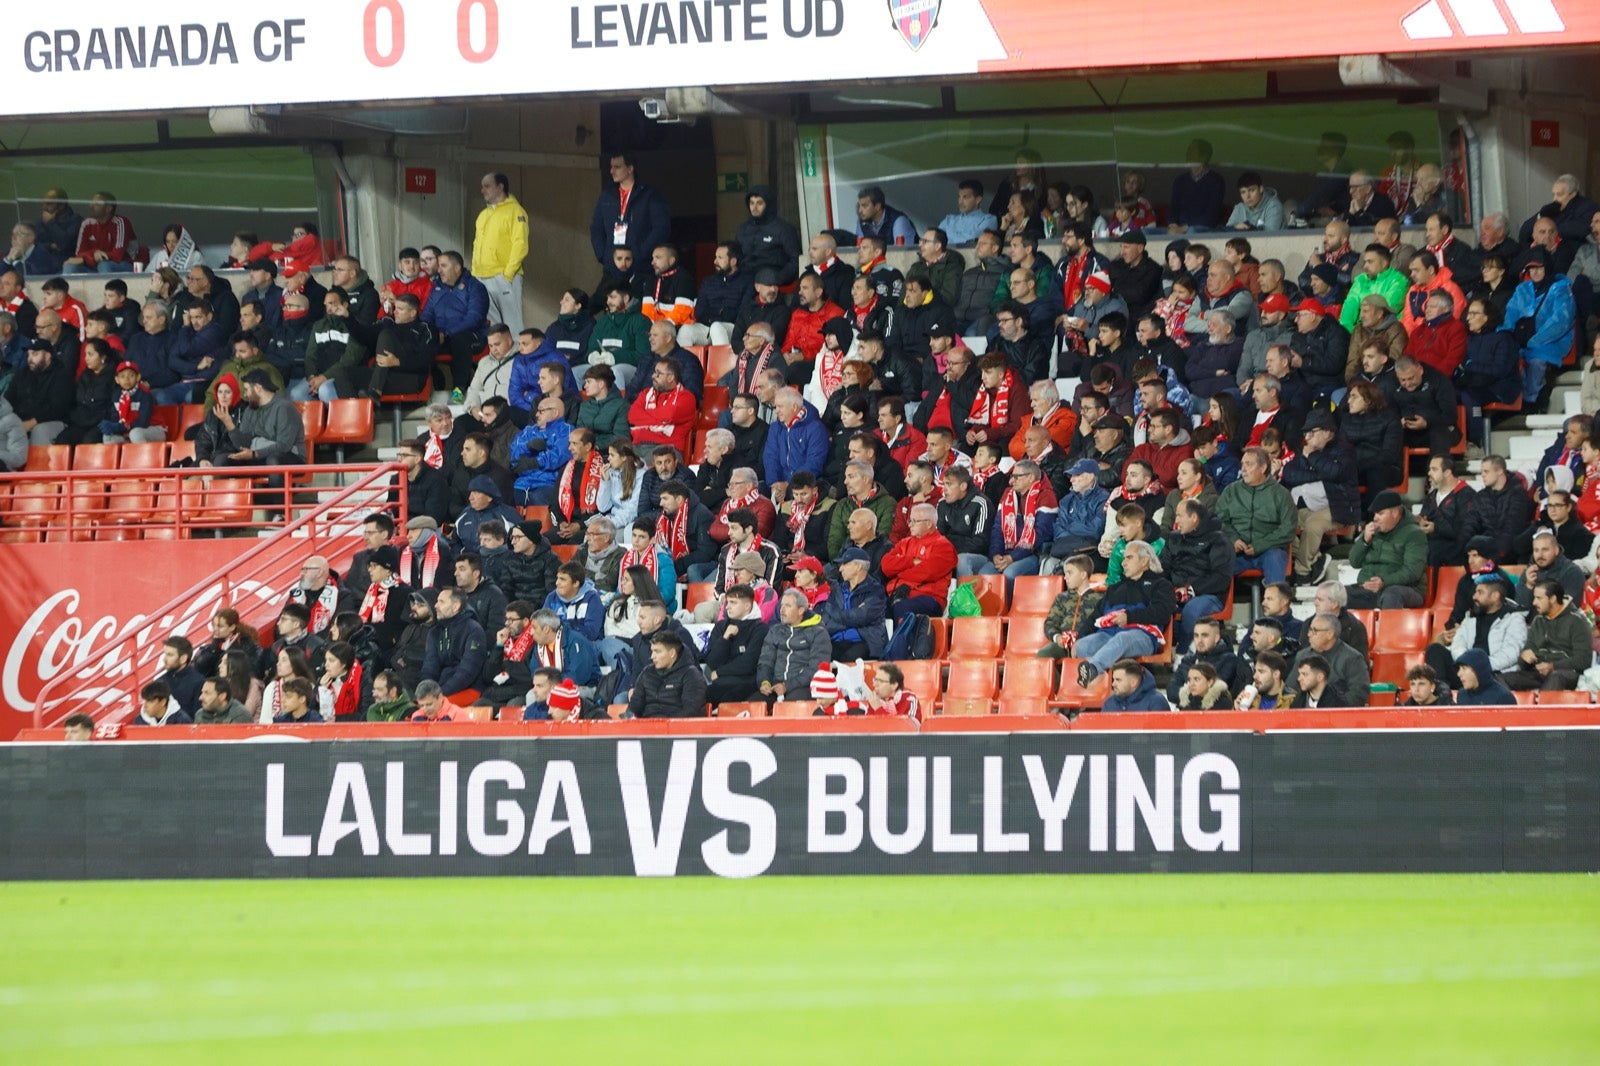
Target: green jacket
[
  {"x": 944, "y": 277},
  {"x": 1114, "y": 564},
  {"x": 395, "y": 710},
  {"x": 608, "y": 418},
  {"x": 882, "y": 504},
  {"x": 1399, "y": 556},
  {"x": 1565, "y": 641},
  {"x": 332, "y": 348},
  {"x": 1263, "y": 516},
  {"x": 626, "y": 336},
  {"x": 1391, "y": 285}
]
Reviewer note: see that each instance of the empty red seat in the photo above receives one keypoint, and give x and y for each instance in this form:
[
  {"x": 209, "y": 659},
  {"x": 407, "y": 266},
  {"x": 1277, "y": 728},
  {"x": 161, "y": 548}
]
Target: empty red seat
[
  {"x": 1028, "y": 676},
  {"x": 975, "y": 638},
  {"x": 148, "y": 456},
  {"x": 49, "y": 457},
  {"x": 971, "y": 678},
  {"x": 1035, "y": 595},
  {"x": 96, "y": 456},
  {"x": 1403, "y": 630}
]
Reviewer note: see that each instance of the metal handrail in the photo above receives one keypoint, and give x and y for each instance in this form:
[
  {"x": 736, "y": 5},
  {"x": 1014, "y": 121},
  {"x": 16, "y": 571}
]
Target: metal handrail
[{"x": 256, "y": 568}]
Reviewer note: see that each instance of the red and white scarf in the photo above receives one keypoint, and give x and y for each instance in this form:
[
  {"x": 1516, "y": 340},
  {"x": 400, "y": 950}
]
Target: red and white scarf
[
  {"x": 1024, "y": 536},
  {"x": 649, "y": 560},
  {"x": 588, "y": 493},
  {"x": 861, "y": 313},
  {"x": 323, "y": 607},
  {"x": 430, "y": 562},
  {"x": 798, "y": 519},
  {"x": 747, "y": 500},
  {"x": 672, "y": 532},
  {"x": 1438, "y": 249},
  {"x": 516, "y": 649},
  {"x": 549, "y": 654},
  {"x": 375, "y": 604},
  {"x": 981, "y": 478},
  {"x": 747, "y": 372},
  {"x": 125, "y": 406},
  {"x": 992, "y": 407},
  {"x": 433, "y": 451},
  {"x": 830, "y": 367}
]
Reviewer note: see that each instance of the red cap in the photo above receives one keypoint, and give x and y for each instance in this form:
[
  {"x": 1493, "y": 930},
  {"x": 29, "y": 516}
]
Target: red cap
[
  {"x": 1100, "y": 281},
  {"x": 809, "y": 562},
  {"x": 127, "y": 365},
  {"x": 1276, "y": 304},
  {"x": 1310, "y": 305}
]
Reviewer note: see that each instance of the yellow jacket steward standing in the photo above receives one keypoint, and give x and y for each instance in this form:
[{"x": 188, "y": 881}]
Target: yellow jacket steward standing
[{"x": 498, "y": 249}]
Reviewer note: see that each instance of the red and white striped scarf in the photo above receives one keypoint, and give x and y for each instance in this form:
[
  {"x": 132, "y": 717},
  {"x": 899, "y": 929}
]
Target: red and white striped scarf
[
  {"x": 672, "y": 532},
  {"x": 433, "y": 451},
  {"x": 747, "y": 500},
  {"x": 322, "y": 608},
  {"x": 1010, "y": 533},
  {"x": 430, "y": 562},
  {"x": 992, "y": 407},
  {"x": 516, "y": 649},
  {"x": 375, "y": 604},
  {"x": 649, "y": 560},
  {"x": 830, "y": 367},
  {"x": 348, "y": 699},
  {"x": 747, "y": 372},
  {"x": 588, "y": 492},
  {"x": 798, "y": 518},
  {"x": 125, "y": 413}
]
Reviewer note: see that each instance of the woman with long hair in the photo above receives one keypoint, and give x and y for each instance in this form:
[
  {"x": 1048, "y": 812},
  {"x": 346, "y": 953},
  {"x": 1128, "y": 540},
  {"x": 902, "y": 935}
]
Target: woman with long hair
[
  {"x": 239, "y": 671},
  {"x": 1079, "y": 203},
  {"x": 625, "y": 480},
  {"x": 291, "y": 662},
  {"x": 635, "y": 586}
]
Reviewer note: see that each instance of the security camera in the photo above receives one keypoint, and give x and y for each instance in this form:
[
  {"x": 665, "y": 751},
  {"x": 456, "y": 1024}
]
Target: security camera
[{"x": 655, "y": 109}]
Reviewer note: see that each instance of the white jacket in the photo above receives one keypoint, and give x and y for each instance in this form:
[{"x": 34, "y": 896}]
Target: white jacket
[{"x": 1508, "y": 635}]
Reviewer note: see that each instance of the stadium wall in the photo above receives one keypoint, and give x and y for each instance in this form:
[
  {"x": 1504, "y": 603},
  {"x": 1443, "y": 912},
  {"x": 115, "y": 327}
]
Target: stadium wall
[{"x": 1365, "y": 800}]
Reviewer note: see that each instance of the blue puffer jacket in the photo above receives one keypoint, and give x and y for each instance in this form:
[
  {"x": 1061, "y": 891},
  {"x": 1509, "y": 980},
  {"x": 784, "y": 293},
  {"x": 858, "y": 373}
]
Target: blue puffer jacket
[
  {"x": 803, "y": 446},
  {"x": 1145, "y": 698},
  {"x": 857, "y": 614},
  {"x": 1083, "y": 514},
  {"x": 459, "y": 308},
  {"x": 1553, "y": 312},
  {"x": 524, "y": 385},
  {"x": 550, "y": 460}
]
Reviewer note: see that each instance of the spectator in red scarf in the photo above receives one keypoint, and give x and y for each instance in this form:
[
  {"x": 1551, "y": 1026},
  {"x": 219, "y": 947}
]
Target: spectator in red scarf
[
  {"x": 665, "y": 412},
  {"x": 581, "y": 489},
  {"x": 996, "y": 412},
  {"x": 1024, "y": 524}
]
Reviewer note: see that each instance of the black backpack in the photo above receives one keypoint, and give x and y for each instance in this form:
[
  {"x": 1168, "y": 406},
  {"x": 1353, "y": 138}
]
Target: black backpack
[{"x": 912, "y": 639}]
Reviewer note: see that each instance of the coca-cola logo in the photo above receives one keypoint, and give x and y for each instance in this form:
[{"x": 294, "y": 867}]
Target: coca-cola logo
[{"x": 55, "y": 638}]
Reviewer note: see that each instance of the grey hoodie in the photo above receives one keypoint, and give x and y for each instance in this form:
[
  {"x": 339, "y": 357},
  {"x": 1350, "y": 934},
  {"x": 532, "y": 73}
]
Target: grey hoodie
[{"x": 13, "y": 438}]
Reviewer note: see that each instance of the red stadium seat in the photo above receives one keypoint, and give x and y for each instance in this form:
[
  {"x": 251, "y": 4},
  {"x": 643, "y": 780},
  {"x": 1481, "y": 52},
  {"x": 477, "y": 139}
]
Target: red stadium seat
[
  {"x": 349, "y": 422},
  {"x": 714, "y": 402},
  {"x": 149, "y": 456},
  {"x": 718, "y": 359},
  {"x": 971, "y": 678},
  {"x": 1071, "y": 694},
  {"x": 564, "y": 552},
  {"x": 754, "y": 709},
  {"x": 1024, "y": 634},
  {"x": 1444, "y": 585},
  {"x": 967, "y": 705},
  {"x": 1389, "y": 667},
  {"x": 1526, "y": 699},
  {"x": 312, "y": 416},
  {"x": 168, "y": 417},
  {"x": 55, "y": 458},
  {"x": 990, "y": 590},
  {"x": 1565, "y": 698},
  {"x": 1035, "y": 595},
  {"x": 975, "y": 638},
  {"x": 1369, "y": 621},
  {"x": 924, "y": 678},
  {"x": 179, "y": 450},
  {"x": 1403, "y": 630},
  {"x": 191, "y": 415},
  {"x": 1008, "y": 704},
  {"x": 96, "y": 456},
  {"x": 699, "y": 592},
  {"x": 537, "y": 512},
  {"x": 793, "y": 708},
  {"x": 1028, "y": 676}
]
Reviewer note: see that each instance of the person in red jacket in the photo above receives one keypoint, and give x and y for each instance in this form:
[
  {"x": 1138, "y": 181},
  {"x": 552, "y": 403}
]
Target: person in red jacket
[
  {"x": 804, "y": 339},
  {"x": 408, "y": 277},
  {"x": 1166, "y": 446},
  {"x": 105, "y": 241},
  {"x": 665, "y": 412},
  {"x": 1058, "y": 419},
  {"x": 906, "y": 444},
  {"x": 918, "y": 569},
  {"x": 1441, "y": 340}
]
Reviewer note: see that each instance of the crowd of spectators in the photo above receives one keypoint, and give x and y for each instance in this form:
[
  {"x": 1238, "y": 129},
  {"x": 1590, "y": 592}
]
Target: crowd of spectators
[{"x": 1063, "y": 402}]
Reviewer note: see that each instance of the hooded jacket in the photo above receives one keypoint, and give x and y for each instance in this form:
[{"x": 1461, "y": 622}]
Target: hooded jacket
[
  {"x": 1390, "y": 284},
  {"x": 1144, "y": 698},
  {"x": 860, "y": 611},
  {"x": 790, "y": 655},
  {"x": 1232, "y": 674},
  {"x": 1323, "y": 353},
  {"x": 1490, "y": 691},
  {"x": 13, "y": 439},
  {"x": 583, "y": 612},
  {"x": 766, "y": 241},
  {"x": 1217, "y": 696},
  {"x": 1335, "y": 467},
  {"x": 539, "y": 452},
  {"x": 1553, "y": 312},
  {"x": 570, "y": 334},
  {"x": 1268, "y": 214}
]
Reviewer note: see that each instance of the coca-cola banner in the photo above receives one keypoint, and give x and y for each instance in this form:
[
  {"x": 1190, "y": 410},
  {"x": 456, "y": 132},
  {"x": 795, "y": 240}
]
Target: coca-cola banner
[{"x": 64, "y": 600}]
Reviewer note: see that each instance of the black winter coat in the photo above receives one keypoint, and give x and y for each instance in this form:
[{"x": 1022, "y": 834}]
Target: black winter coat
[
  {"x": 1334, "y": 466},
  {"x": 1323, "y": 353},
  {"x": 1149, "y": 600},
  {"x": 680, "y": 692},
  {"x": 1374, "y": 436},
  {"x": 1202, "y": 559},
  {"x": 532, "y": 577},
  {"x": 736, "y": 658}
]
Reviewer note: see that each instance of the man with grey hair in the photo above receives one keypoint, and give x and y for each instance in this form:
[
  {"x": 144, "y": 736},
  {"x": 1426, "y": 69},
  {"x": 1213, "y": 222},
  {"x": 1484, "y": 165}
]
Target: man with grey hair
[
  {"x": 27, "y": 254},
  {"x": 1213, "y": 363},
  {"x": 441, "y": 443},
  {"x": 794, "y": 647},
  {"x": 1221, "y": 292},
  {"x": 1368, "y": 204},
  {"x": 743, "y": 491},
  {"x": 1133, "y": 617},
  {"x": 1331, "y": 598},
  {"x": 601, "y": 555},
  {"x": 797, "y": 441},
  {"x": 1494, "y": 238},
  {"x": 13, "y": 350},
  {"x": 710, "y": 481},
  {"x": 862, "y": 492},
  {"x": 919, "y": 566},
  {"x": 1023, "y": 527},
  {"x": 757, "y": 355},
  {"x": 558, "y": 647},
  {"x": 1347, "y": 668},
  {"x": 1568, "y": 208},
  {"x": 664, "y": 345},
  {"x": 434, "y": 706}
]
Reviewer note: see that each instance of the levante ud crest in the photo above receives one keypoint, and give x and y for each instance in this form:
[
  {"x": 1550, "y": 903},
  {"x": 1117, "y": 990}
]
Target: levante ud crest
[{"x": 914, "y": 19}]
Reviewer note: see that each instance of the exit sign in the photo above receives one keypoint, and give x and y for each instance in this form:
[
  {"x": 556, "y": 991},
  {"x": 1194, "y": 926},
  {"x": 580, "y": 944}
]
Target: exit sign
[
  {"x": 739, "y": 181},
  {"x": 424, "y": 181}
]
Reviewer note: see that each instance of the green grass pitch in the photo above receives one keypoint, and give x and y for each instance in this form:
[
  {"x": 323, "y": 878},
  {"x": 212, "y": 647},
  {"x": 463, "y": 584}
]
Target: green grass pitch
[{"x": 1304, "y": 970}]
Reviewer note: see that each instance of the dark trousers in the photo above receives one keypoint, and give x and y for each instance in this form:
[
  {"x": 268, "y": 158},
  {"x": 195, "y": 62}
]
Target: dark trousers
[
  {"x": 917, "y": 605},
  {"x": 1527, "y": 679},
  {"x": 460, "y": 349}
]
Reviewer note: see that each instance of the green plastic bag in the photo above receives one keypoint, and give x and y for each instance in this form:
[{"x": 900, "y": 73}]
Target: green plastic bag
[{"x": 964, "y": 603}]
